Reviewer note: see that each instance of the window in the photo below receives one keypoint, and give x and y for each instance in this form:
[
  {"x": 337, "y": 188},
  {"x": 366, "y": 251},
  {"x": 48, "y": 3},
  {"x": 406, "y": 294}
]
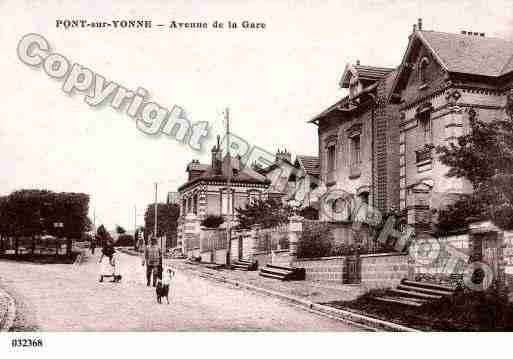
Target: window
[
  {"x": 355, "y": 151},
  {"x": 423, "y": 70},
  {"x": 424, "y": 123},
  {"x": 331, "y": 158},
  {"x": 253, "y": 197},
  {"x": 184, "y": 207},
  {"x": 195, "y": 204},
  {"x": 189, "y": 205},
  {"x": 226, "y": 202},
  {"x": 364, "y": 197}
]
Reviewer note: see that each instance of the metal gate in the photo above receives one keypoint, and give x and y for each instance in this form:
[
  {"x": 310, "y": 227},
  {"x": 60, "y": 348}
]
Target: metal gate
[
  {"x": 241, "y": 243},
  {"x": 352, "y": 270}
]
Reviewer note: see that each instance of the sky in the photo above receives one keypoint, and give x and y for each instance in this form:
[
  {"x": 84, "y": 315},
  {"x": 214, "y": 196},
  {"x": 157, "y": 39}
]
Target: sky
[{"x": 273, "y": 80}]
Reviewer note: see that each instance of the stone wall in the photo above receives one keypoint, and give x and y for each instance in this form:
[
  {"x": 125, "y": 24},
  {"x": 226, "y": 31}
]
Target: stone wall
[
  {"x": 328, "y": 269},
  {"x": 383, "y": 270},
  {"x": 280, "y": 258},
  {"x": 193, "y": 253},
  {"x": 262, "y": 259}
]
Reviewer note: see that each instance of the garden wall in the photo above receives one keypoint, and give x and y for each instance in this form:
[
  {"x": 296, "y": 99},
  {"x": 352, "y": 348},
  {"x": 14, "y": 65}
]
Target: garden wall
[
  {"x": 280, "y": 258},
  {"x": 383, "y": 270},
  {"x": 328, "y": 269}
]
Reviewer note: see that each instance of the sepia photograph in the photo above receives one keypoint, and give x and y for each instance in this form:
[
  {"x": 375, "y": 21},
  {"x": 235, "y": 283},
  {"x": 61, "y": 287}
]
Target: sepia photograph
[{"x": 264, "y": 167}]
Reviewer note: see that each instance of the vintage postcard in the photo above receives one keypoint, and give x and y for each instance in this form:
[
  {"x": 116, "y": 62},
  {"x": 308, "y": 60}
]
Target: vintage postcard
[{"x": 265, "y": 166}]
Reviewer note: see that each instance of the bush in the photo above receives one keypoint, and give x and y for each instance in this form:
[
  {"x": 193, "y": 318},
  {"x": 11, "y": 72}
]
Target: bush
[
  {"x": 309, "y": 213},
  {"x": 125, "y": 240},
  {"x": 315, "y": 242},
  {"x": 212, "y": 221}
]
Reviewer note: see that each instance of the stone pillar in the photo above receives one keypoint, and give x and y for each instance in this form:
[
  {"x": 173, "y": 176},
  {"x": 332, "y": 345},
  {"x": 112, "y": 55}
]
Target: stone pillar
[
  {"x": 191, "y": 231},
  {"x": 254, "y": 241},
  {"x": 501, "y": 266},
  {"x": 203, "y": 236},
  {"x": 202, "y": 203},
  {"x": 294, "y": 231}
]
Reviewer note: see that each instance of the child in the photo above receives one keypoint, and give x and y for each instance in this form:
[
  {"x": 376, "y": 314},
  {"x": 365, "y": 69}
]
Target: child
[{"x": 115, "y": 264}]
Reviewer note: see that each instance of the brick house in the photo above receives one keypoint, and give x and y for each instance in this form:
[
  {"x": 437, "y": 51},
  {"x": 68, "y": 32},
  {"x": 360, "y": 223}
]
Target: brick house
[
  {"x": 378, "y": 142},
  {"x": 358, "y": 139},
  {"x": 206, "y": 190},
  {"x": 444, "y": 80}
]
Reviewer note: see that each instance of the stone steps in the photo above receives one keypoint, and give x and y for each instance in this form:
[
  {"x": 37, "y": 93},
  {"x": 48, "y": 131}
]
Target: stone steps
[
  {"x": 428, "y": 285},
  {"x": 424, "y": 290},
  {"x": 244, "y": 265},
  {"x": 282, "y": 272},
  {"x": 415, "y": 293}
]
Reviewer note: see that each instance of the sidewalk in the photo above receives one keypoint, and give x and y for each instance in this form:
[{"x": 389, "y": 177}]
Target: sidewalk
[{"x": 316, "y": 292}]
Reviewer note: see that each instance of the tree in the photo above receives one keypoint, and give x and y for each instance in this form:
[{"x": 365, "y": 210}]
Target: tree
[
  {"x": 485, "y": 158},
  {"x": 268, "y": 213},
  {"x": 167, "y": 220},
  {"x": 138, "y": 241},
  {"x": 120, "y": 230},
  {"x": 309, "y": 212},
  {"x": 212, "y": 221},
  {"x": 32, "y": 212}
]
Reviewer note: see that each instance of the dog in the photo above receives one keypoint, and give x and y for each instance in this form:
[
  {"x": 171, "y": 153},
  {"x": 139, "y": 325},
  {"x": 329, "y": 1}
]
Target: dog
[
  {"x": 162, "y": 291},
  {"x": 163, "y": 283}
]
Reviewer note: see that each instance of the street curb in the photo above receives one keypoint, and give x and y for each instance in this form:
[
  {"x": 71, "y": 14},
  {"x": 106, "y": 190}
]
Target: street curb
[{"x": 10, "y": 314}]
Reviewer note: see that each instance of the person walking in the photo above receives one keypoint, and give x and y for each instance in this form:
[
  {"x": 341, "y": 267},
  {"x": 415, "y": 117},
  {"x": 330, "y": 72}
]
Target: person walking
[
  {"x": 153, "y": 260},
  {"x": 92, "y": 245},
  {"x": 106, "y": 268}
]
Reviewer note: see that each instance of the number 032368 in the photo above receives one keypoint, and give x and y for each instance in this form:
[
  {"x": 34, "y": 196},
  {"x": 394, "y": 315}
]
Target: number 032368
[{"x": 26, "y": 342}]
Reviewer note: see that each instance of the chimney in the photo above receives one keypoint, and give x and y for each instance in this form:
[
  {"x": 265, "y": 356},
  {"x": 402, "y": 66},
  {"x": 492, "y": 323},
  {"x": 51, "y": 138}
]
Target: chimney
[
  {"x": 419, "y": 24},
  {"x": 283, "y": 155},
  {"x": 216, "y": 156},
  {"x": 358, "y": 62},
  {"x": 482, "y": 34},
  {"x": 463, "y": 32},
  {"x": 414, "y": 27}
]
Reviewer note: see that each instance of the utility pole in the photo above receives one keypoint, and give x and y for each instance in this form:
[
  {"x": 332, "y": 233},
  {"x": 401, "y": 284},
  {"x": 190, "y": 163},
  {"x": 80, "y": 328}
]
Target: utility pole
[
  {"x": 155, "y": 227},
  {"x": 229, "y": 189},
  {"x": 135, "y": 220}
]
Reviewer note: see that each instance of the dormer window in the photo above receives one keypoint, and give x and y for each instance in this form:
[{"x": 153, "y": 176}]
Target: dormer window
[{"x": 423, "y": 64}]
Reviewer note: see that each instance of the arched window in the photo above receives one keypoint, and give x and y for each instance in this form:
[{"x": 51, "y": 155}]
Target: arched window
[{"x": 424, "y": 62}]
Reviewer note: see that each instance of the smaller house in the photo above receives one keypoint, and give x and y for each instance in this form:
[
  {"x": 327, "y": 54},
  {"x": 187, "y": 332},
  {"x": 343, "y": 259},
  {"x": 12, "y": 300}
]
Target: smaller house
[
  {"x": 218, "y": 188},
  {"x": 293, "y": 182}
]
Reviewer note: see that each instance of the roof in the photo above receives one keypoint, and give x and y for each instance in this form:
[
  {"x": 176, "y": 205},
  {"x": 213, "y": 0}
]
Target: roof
[
  {"x": 310, "y": 164},
  {"x": 277, "y": 163},
  {"x": 246, "y": 175},
  {"x": 196, "y": 166},
  {"x": 470, "y": 54},
  {"x": 371, "y": 73}
]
